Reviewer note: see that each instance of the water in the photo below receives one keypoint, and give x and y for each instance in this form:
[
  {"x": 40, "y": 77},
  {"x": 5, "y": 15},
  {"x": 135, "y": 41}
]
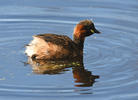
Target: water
[{"x": 112, "y": 55}]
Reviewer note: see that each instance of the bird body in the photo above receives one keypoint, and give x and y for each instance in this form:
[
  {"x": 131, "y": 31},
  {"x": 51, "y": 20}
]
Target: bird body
[
  {"x": 60, "y": 47},
  {"x": 52, "y": 46}
]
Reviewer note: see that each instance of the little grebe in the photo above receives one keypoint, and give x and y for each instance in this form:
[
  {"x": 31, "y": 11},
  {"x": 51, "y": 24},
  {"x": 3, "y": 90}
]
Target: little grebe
[{"x": 60, "y": 47}]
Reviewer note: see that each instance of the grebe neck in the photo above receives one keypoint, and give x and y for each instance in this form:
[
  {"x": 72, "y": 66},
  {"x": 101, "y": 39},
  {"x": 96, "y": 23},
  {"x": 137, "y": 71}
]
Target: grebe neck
[{"x": 79, "y": 42}]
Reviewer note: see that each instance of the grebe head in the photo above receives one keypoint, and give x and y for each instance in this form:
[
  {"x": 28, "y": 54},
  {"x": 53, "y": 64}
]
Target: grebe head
[{"x": 84, "y": 28}]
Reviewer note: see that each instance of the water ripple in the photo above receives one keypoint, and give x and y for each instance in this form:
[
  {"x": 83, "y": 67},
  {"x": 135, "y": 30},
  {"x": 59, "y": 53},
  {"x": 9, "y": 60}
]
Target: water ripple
[{"x": 112, "y": 54}]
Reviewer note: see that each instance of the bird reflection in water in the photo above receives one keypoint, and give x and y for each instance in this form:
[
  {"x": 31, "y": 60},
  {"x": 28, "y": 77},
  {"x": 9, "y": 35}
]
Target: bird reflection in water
[{"x": 82, "y": 77}]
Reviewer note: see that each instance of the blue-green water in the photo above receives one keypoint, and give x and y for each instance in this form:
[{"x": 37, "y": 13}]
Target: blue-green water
[{"x": 112, "y": 55}]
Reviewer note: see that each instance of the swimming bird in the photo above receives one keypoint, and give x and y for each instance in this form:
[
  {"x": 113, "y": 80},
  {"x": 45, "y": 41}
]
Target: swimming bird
[{"x": 60, "y": 47}]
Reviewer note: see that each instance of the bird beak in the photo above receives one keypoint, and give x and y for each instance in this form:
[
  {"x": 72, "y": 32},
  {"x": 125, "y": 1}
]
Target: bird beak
[{"x": 96, "y": 31}]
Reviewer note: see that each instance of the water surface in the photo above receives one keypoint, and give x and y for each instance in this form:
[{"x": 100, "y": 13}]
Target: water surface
[{"x": 112, "y": 55}]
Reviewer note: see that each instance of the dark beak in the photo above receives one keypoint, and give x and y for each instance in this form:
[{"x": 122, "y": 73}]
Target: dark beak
[{"x": 96, "y": 31}]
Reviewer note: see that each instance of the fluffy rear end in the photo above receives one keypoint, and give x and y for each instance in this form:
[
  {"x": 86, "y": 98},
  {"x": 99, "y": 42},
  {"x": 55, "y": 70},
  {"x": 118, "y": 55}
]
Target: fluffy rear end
[
  {"x": 34, "y": 46},
  {"x": 45, "y": 50}
]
